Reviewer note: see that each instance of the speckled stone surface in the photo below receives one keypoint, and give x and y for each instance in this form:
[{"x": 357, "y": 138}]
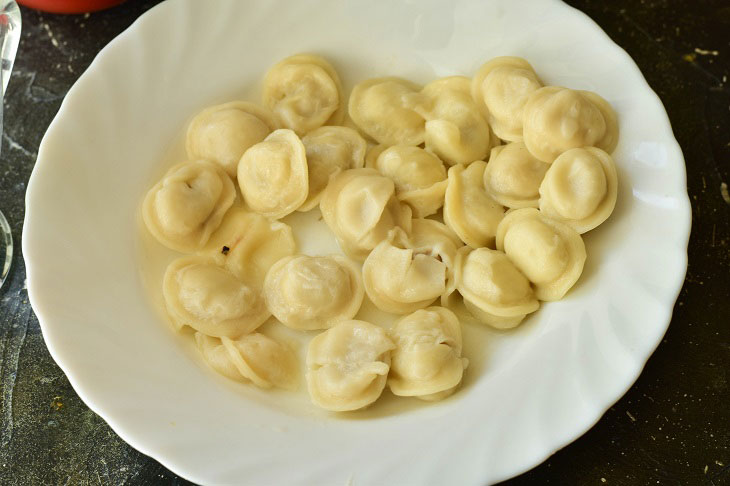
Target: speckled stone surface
[{"x": 672, "y": 427}]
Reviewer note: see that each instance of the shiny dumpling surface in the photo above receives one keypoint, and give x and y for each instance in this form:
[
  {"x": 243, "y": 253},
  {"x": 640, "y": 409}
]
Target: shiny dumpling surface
[
  {"x": 254, "y": 358},
  {"x": 330, "y": 150},
  {"x": 549, "y": 253},
  {"x": 347, "y": 365},
  {"x": 493, "y": 288},
  {"x": 580, "y": 188},
  {"x": 468, "y": 209},
  {"x": 426, "y": 362},
  {"x": 188, "y": 204},
  {"x": 208, "y": 297},
  {"x": 249, "y": 244},
  {"x": 273, "y": 174},
  {"x": 308, "y": 292},
  {"x": 501, "y": 88},
  {"x": 455, "y": 130},
  {"x": 419, "y": 176},
  {"x": 513, "y": 176},
  {"x": 222, "y": 133},
  {"x": 558, "y": 119},
  {"x": 360, "y": 207},
  {"x": 378, "y": 107},
  {"x": 304, "y": 92}
]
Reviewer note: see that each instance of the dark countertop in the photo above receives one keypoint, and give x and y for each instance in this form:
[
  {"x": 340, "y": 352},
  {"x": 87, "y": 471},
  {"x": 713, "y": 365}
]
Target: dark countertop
[{"x": 672, "y": 427}]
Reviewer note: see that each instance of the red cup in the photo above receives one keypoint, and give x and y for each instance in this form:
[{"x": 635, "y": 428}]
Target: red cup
[{"x": 69, "y": 6}]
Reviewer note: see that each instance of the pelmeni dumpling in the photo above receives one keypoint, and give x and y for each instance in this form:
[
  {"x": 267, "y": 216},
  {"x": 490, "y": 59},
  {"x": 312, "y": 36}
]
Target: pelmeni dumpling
[
  {"x": 579, "y": 189},
  {"x": 455, "y": 129},
  {"x": 501, "y": 88},
  {"x": 273, "y": 175},
  {"x": 304, "y": 92},
  {"x": 222, "y": 133},
  {"x": 494, "y": 290},
  {"x": 211, "y": 299},
  {"x": 307, "y": 293},
  {"x": 558, "y": 119},
  {"x": 513, "y": 176},
  {"x": 419, "y": 177},
  {"x": 188, "y": 204},
  {"x": 426, "y": 362},
  {"x": 330, "y": 150},
  {"x": 248, "y": 244},
  {"x": 377, "y": 106},
  {"x": 404, "y": 274},
  {"x": 360, "y": 207},
  {"x": 253, "y": 357},
  {"x": 549, "y": 253},
  {"x": 347, "y": 365},
  {"x": 468, "y": 209}
]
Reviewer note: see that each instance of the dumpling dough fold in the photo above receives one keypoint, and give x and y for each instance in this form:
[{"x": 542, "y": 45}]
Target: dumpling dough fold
[
  {"x": 330, "y": 150},
  {"x": 549, "y": 253},
  {"x": 455, "y": 129},
  {"x": 579, "y": 189},
  {"x": 426, "y": 362},
  {"x": 494, "y": 290},
  {"x": 209, "y": 298},
  {"x": 360, "y": 207},
  {"x": 558, "y": 119},
  {"x": 468, "y": 209},
  {"x": 188, "y": 204},
  {"x": 378, "y": 107},
  {"x": 501, "y": 88},
  {"x": 308, "y": 293},
  {"x": 513, "y": 176},
  {"x": 347, "y": 365},
  {"x": 304, "y": 92},
  {"x": 419, "y": 177},
  {"x": 403, "y": 274},
  {"x": 222, "y": 133},
  {"x": 254, "y": 357},
  {"x": 273, "y": 175}
]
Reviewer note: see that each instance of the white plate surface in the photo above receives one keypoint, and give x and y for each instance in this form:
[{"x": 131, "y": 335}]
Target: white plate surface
[{"x": 535, "y": 390}]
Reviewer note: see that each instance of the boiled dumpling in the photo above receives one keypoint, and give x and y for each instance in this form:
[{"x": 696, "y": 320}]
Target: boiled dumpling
[
  {"x": 360, "y": 207},
  {"x": 188, "y": 204},
  {"x": 253, "y": 357},
  {"x": 549, "y": 253},
  {"x": 377, "y": 106},
  {"x": 304, "y": 92},
  {"x": 455, "y": 129},
  {"x": 558, "y": 119},
  {"x": 579, "y": 189},
  {"x": 347, "y": 365},
  {"x": 404, "y": 274},
  {"x": 501, "y": 88},
  {"x": 222, "y": 133},
  {"x": 273, "y": 175},
  {"x": 468, "y": 209},
  {"x": 248, "y": 244},
  {"x": 307, "y": 293},
  {"x": 209, "y": 298},
  {"x": 330, "y": 150},
  {"x": 426, "y": 362},
  {"x": 513, "y": 176},
  {"x": 419, "y": 177},
  {"x": 494, "y": 290}
]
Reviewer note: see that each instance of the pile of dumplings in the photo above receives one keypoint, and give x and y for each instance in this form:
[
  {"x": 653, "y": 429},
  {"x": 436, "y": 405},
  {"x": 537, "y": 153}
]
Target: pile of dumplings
[{"x": 475, "y": 190}]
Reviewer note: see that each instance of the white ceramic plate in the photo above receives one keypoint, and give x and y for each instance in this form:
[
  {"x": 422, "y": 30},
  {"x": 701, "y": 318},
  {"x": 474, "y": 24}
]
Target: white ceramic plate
[{"x": 534, "y": 391}]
